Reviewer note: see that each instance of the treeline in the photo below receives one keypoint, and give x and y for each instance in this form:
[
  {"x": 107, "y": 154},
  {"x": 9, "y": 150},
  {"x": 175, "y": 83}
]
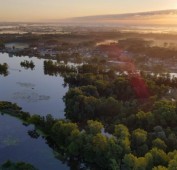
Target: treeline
[
  {"x": 161, "y": 79},
  {"x": 139, "y": 46},
  {"x": 54, "y": 68},
  {"x": 95, "y": 66},
  {"x": 123, "y": 149},
  {"x": 27, "y": 64}
]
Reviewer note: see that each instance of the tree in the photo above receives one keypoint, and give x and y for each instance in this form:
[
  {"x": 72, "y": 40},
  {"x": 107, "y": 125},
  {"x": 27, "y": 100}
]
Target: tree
[
  {"x": 114, "y": 152},
  {"x": 94, "y": 127},
  {"x": 113, "y": 165},
  {"x": 76, "y": 143},
  {"x": 144, "y": 119},
  {"x": 141, "y": 164},
  {"x": 109, "y": 107},
  {"x": 129, "y": 161},
  {"x": 132, "y": 162},
  {"x": 173, "y": 163},
  {"x": 139, "y": 138},
  {"x": 149, "y": 159},
  {"x": 78, "y": 106},
  {"x": 165, "y": 113},
  {"x": 100, "y": 143},
  {"x": 172, "y": 141},
  {"x": 159, "y": 143},
  {"x": 123, "y": 136},
  {"x": 62, "y": 132},
  {"x": 159, "y": 157},
  {"x": 159, "y": 132},
  {"x": 89, "y": 90},
  {"x": 160, "y": 168},
  {"x": 122, "y": 88}
]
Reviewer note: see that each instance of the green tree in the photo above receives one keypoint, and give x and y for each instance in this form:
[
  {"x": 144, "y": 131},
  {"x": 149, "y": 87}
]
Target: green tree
[
  {"x": 94, "y": 127},
  {"x": 173, "y": 163},
  {"x": 141, "y": 164},
  {"x": 159, "y": 143},
  {"x": 129, "y": 161},
  {"x": 165, "y": 113},
  {"x": 62, "y": 132},
  {"x": 123, "y": 136},
  {"x": 109, "y": 107},
  {"x": 144, "y": 119},
  {"x": 149, "y": 159},
  {"x": 160, "y": 168},
  {"x": 159, "y": 157},
  {"x": 89, "y": 90},
  {"x": 78, "y": 106},
  {"x": 139, "y": 138}
]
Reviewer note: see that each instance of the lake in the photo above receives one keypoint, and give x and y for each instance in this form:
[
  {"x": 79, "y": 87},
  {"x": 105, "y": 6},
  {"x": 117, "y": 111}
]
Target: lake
[
  {"x": 32, "y": 90},
  {"x": 16, "y": 145},
  {"x": 36, "y": 93}
]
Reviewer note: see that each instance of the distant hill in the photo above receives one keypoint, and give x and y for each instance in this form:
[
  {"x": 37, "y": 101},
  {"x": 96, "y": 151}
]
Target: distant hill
[{"x": 164, "y": 17}]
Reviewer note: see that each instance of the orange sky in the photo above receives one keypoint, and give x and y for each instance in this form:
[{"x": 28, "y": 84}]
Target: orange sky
[{"x": 41, "y": 10}]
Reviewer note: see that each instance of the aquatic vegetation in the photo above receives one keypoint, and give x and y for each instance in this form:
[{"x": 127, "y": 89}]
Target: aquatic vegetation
[
  {"x": 29, "y": 96},
  {"x": 8, "y": 165},
  {"x": 10, "y": 141},
  {"x": 4, "y": 69},
  {"x": 27, "y": 64}
]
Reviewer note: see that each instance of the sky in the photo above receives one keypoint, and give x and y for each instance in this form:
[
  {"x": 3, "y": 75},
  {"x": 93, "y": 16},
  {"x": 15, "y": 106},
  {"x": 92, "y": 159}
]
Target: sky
[{"x": 46, "y": 10}]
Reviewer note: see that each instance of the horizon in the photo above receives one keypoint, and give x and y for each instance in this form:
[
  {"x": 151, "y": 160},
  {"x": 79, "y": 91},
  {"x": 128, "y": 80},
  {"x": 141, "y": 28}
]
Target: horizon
[
  {"x": 83, "y": 17},
  {"x": 42, "y": 11}
]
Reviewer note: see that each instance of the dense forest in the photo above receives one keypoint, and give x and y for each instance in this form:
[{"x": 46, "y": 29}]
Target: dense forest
[{"x": 113, "y": 120}]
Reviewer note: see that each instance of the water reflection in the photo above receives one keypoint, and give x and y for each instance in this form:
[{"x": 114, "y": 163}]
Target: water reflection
[
  {"x": 17, "y": 45},
  {"x": 34, "y": 91},
  {"x": 4, "y": 69},
  {"x": 27, "y": 64},
  {"x": 17, "y": 144}
]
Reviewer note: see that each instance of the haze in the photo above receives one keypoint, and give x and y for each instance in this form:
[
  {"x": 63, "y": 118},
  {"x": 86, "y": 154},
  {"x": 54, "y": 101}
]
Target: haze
[{"x": 48, "y": 10}]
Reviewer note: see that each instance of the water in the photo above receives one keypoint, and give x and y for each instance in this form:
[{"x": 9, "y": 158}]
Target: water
[
  {"x": 32, "y": 90},
  {"x": 173, "y": 75},
  {"x": 106, "y": 42},
  {"x": 17, "y": 45},
  {"x": 36, "y": 93},
  {"x": 16, "y": 145}
]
